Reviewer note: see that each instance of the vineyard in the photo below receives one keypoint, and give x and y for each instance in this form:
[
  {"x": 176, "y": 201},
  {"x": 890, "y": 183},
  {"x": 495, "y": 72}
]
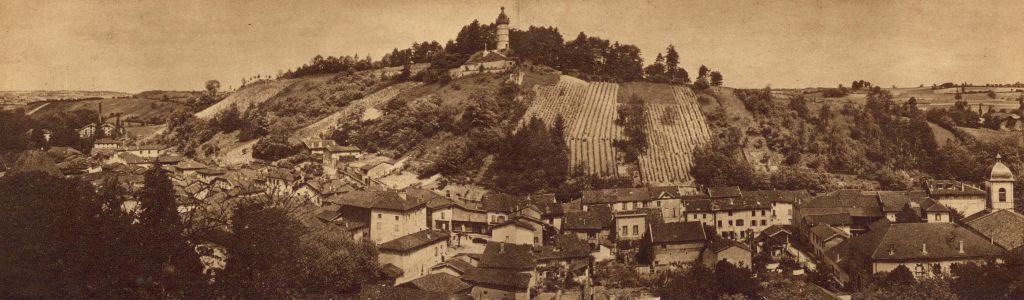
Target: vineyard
[
  {"x": 675, "y": 128},
  {"x": 674, "y": 131},
  {"x": 589, "y": 113},
  {"x": 375, "y": 100}
]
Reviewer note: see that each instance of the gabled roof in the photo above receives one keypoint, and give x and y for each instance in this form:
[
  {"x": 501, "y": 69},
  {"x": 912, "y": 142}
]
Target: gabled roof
[
  {"x": 596, "y": 217},
  {"x": 414, "y": 241},
  {"x": 678, "y": 232},
  {"x": 498, "y": 255},
  {"x": 839, "y": 219},
  {"x": 776, "y": 196},
  {"x": 719, "y": 245},
  {"x": 616, "y": 195},
  {"x": 486, "y": 56},
  {"x": 664, "y": 192},
  {"x": 387, "y": 200},
  {"x": 563, "y": 246},
  {"x": 1004, "y": 227},
  {"x": 908, "y": 241},
  {"x": 210, "y": 171},
  {"x": 825, "y": 232},
  {"x": 518, "y": 222},
  {"x": 459, "y": 265},
  {"x": 497, "y": 277},
  {"x": 894, "y": 201},
  {"x": 318, "y": 143},
  {"x": 501, "y": 202},
  {"x": 439, "y": 282}
]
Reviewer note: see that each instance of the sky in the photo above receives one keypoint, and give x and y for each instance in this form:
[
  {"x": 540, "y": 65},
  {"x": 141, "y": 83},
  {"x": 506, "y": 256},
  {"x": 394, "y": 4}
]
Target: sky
[{"x": 133, "y": 46}]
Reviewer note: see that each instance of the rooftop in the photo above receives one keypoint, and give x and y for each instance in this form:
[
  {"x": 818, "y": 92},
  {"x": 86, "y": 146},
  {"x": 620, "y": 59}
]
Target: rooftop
[
  {"x": 439, "y": 282},
  {"x": 414, "y": 241},
  {"x": 497, "y": 277},
  {"x": 678, "y": 232},
  {"x": 1002, "y": 226},
  {"x": 916, "y": 241},
  {"x": 498, "y": 255}
]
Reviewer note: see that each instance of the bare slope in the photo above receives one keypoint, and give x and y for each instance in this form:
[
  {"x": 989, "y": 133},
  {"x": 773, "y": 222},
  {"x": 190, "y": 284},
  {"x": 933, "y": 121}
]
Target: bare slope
[
  {"x": 374, "y": 100},
  {"x": 251, "y": 94}
]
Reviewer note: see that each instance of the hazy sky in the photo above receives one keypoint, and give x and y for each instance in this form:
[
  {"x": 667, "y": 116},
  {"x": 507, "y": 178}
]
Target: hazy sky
[{"x": 140, "y": 45}]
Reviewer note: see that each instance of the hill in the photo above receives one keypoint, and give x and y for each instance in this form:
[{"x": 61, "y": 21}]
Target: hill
[
  {"x": 146, "y": 110},
  {"x": 24, "y": 97},
  {"x": 254, "y": 94}
]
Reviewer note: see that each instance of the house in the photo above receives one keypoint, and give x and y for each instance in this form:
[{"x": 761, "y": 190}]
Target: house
[
  {"x": 317, "y": 147},
  {"x": 506, "y": 271},
  {"x": 736, "y": 253},
  {"x": 279, "y": 181},
  {"x": 775, "y": 239},
  {"x": 331, "y": 214},
  {"x": 733, "y": 214},
  {"x": 823, "y": 237},
  {"x": 518, "y": 231},
  {"x": 148, "y": 151},
  {"x": 593, "y": 225},
  {"x": 316, "y": 190},
  {"x": 858, "y": 209},
  {"x": 465, "y": 193},
  {"x": 105, "y": 144},
  {"x": 1002, "y": 227},
  {"x": 389, "y": 215},
  {"x": 188, "y": 168},
  {"x": 965, "y": 199},
  {"x": 1005, "y": 121},
  {"x": 456, "y": 266},
  {"x": 451, "y": 215},
  {"x": 208, "y": 174},
  {"x": 927, "y": 210},
  {"x": 924, "y": 248},
  {"x": 566, "y": 258},
  {"x": 782, "y": 203},
  {"x": 632, "y": 225},
  {"x": 675, "y": 243},
  {"x": 499, "y": 206},
  {"x": 414, "y": 253},
  {"x": 440, "y": 283},
  {"x": 499, "y": 284},
  {"x": 620, "y": 199},
  {"x": 551, "y": 211}
]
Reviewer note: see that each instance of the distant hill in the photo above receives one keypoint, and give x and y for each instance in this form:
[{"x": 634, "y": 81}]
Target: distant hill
[{"x": 22, "y": 97}]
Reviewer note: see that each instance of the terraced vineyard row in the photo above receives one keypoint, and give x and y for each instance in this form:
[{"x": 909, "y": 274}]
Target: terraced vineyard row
[
  {"x": 589, "y": 113},
  {"x": 674, "y": 131}
]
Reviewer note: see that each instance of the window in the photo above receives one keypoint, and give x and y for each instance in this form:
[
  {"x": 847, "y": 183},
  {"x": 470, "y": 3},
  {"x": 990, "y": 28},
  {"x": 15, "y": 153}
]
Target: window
[
  {"x": 753, "y": 213},
  {"x": 663, "y": 246},
  {"x": 730, "y": 214},
  {"x": 730, "y": 222},
  {"x": 705, "y": 216},
  {"x": 938, "y": 217},
  {"x": 763, "y": 212},
  {"x": 764, "y": 222},
  {"x": 625, "y": 230},
  {"x": 743, "y": 234},
  {"x": 396, "y": 227},
  {"x": 1002, "y": 195},
  {"x": 658, "y": 203},
  {"x": 442, "y": 215},
  {"x": 738, "y": 222},
  {"x": 719, "y": 223},
  {"x": 536, "y": 240},
  {"x": 636, "y": 230},
  {"x": 378, "y": 216},
  {"x": 396, "y": 218}
]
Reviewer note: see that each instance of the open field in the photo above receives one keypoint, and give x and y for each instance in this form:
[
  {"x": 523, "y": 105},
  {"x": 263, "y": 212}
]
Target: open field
[
  {"x": 989, "y": 135},
  {"x": 148, "y": 110}
]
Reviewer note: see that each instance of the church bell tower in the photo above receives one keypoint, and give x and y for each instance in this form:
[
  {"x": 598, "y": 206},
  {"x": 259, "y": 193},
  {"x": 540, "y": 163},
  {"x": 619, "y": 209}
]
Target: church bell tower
[{"x": 1000, "y": 186}]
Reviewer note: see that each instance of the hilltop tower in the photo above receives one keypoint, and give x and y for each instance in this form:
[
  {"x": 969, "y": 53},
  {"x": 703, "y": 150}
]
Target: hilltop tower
[
  {"x": 502, "y": 24},
  {"x": 1000, "y": 186}
]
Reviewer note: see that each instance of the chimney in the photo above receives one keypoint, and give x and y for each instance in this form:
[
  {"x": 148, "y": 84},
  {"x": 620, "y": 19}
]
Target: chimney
[
  {"x": 924, "y": 248},
  {"x": 961, "y": 246},
  {"x": 99, "y": 112}
]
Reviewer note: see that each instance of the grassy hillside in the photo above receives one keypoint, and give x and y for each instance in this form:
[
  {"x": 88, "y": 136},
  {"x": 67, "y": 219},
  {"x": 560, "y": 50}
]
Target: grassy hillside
[{"x": 253, "y": 94}]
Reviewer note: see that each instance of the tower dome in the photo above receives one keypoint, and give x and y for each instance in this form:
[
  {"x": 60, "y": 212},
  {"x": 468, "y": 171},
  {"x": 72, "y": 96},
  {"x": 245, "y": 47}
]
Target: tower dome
[
  {"x": 502, "y": 18},
  {"x": 1000, "y": 172}
]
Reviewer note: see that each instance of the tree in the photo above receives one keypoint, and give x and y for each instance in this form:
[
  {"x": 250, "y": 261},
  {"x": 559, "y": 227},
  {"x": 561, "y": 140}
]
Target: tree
[
  {"x": 703, "y": 71},
  {"x": 632, "y": 117},
  {"x": 212, "y": 86},
  {"x": 273, "y": 255},
  {"x": 716, "y": 165},
  {"x": 169, "y": 262},
  {"x": 699, "y": 282},
  {"x": 716, "y": 78},
  {"x": 991, "y": 94},
  {"x": 671, "y": 59},
  {"x": 901, "y": 275},
  {"x": 63, "y": 241}
]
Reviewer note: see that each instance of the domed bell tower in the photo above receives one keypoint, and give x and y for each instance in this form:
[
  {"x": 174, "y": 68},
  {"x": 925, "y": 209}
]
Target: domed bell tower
[
  {"x": 502, "y": 24},
  {"x": 1000, "y": 186}
]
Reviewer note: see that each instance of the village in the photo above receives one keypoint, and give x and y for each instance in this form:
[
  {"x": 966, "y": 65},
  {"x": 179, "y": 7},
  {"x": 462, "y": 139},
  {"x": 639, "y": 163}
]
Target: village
[{"x": 824, "y": 199}]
